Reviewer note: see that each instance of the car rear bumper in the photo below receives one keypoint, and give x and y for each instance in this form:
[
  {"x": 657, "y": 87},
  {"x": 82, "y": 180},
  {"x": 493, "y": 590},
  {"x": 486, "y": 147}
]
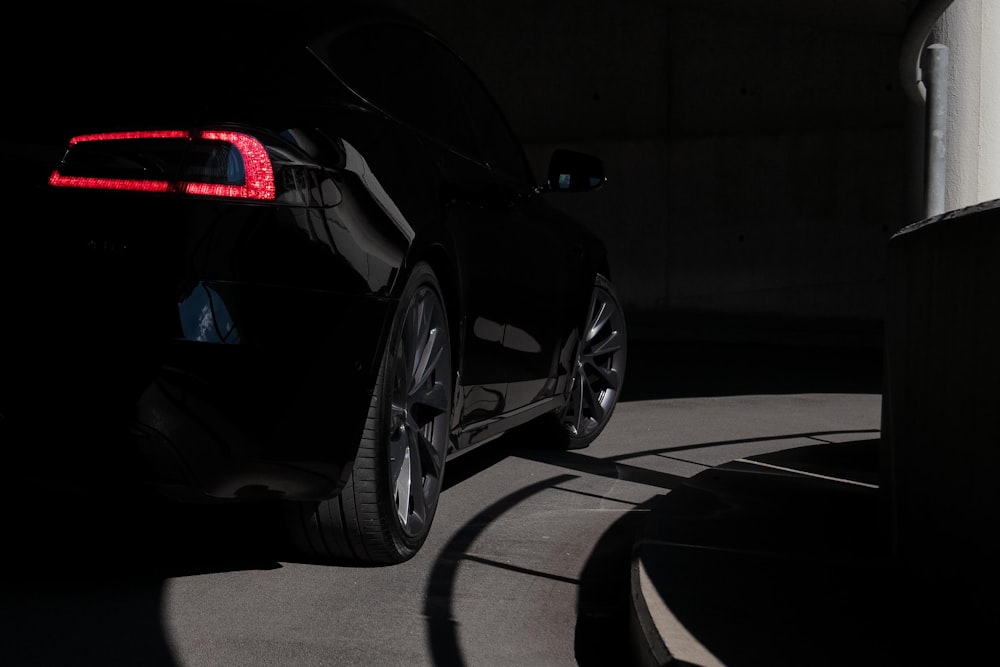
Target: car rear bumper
[{"x": 237, "y": 391}]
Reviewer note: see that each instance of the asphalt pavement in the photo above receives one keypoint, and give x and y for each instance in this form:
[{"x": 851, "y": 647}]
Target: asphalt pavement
[{"x": 750, "y": 511}]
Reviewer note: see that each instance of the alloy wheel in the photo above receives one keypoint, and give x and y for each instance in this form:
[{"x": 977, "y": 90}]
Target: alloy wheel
[
  {"x": 420, "y": 411},
  {"x": 599, "y": 368}
]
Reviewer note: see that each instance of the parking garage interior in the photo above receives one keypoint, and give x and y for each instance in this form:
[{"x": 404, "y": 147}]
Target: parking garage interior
[{"x": 777, "y": 173}]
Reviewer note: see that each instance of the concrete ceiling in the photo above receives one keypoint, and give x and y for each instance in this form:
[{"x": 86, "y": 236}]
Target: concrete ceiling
[{"x": 888, "y": 16}]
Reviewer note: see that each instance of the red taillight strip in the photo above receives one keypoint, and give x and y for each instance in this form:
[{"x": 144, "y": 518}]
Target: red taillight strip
[
  {"x": 256, "y": 165},
  {"x": 108, "y": 183},
  {"x": 259, "y": 183},
  {"x": 146, "y": 134}
]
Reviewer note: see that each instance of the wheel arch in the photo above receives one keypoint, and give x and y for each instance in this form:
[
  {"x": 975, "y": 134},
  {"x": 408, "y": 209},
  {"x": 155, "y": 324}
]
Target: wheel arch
[{"x": 601, "y": 263}]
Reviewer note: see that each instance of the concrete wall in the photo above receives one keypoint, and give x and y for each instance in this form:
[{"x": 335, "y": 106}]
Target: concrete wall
[{"x": 757, "y": 160}]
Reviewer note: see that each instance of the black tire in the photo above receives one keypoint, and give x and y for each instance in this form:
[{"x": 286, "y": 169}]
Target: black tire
[
  {"x": 384, "y": 513},
  {"x": 599, "y": 370}
]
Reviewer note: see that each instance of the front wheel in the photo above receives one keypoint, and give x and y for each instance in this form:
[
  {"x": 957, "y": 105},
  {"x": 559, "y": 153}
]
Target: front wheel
[
  {"x": 598, "y": 369},
  {"x": 384, "y": 513}
]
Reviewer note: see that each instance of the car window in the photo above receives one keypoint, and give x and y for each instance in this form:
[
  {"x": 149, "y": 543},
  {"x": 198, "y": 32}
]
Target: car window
[
  {"x": 406, "y": 76},
  {"x": 496, "y": 141},
  {"x": 416, "y": 79}
]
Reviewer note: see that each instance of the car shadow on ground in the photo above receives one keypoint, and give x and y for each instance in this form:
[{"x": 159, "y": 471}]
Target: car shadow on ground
[{"x": 83, "y": 574}]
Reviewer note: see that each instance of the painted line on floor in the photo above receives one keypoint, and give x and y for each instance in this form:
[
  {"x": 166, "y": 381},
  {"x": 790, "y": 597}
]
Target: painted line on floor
[{"x": 808, "y": 474}]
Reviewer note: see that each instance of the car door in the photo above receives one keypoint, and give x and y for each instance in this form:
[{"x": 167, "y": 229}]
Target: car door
[{"x": 544, "y": 261}]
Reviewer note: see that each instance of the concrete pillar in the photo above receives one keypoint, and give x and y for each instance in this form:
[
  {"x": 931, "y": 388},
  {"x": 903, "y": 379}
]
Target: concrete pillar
[
  {"x": 939, "y": 434},
  {"x": 971, "y": 30}
]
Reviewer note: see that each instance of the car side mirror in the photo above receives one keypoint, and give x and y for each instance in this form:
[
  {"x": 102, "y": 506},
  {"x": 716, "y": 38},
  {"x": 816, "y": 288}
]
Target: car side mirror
[{"x": 570, "y": 171}]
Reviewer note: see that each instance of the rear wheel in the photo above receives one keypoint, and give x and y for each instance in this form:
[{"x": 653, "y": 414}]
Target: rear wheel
[
  {"x": 599, "y": 369},
  {"x": 385, "y": 512}
]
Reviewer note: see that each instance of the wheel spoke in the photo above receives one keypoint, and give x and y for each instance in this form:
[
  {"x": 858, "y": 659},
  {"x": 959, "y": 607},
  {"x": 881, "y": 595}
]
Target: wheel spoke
[
  {"x": 609, "y": 376},
  {"x": 593, "y": 408},
  {"x": 409, "y": 347},
  {"x": 426, "y": 354},
  {"x": 431, "y": 457},
  {"x": 579, "y": 409},
  {"x": 412, "y": 507},
  {"x": 418, "y": 508},
  {"x": 609, "y": 345},
  {"x": 430, "y": 401},
  {"x": 430, "y": 358},
  {"x": 600, "y": 317},
  {"x": 404, "y": 481},
  {"x": 424, "y": 342},
  {"x": 590, "y": 389},
  {"x": 398, "y": 441}
]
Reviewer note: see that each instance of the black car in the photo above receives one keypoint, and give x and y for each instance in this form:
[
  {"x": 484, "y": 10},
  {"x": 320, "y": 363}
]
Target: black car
[{"x": 285, "y": 256}]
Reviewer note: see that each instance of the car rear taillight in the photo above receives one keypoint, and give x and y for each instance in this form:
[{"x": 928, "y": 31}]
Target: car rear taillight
[{"x": 211, "y": 163}]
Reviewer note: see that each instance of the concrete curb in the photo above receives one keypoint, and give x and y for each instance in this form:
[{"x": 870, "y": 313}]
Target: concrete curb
[{"x": 647, "y": 642}]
